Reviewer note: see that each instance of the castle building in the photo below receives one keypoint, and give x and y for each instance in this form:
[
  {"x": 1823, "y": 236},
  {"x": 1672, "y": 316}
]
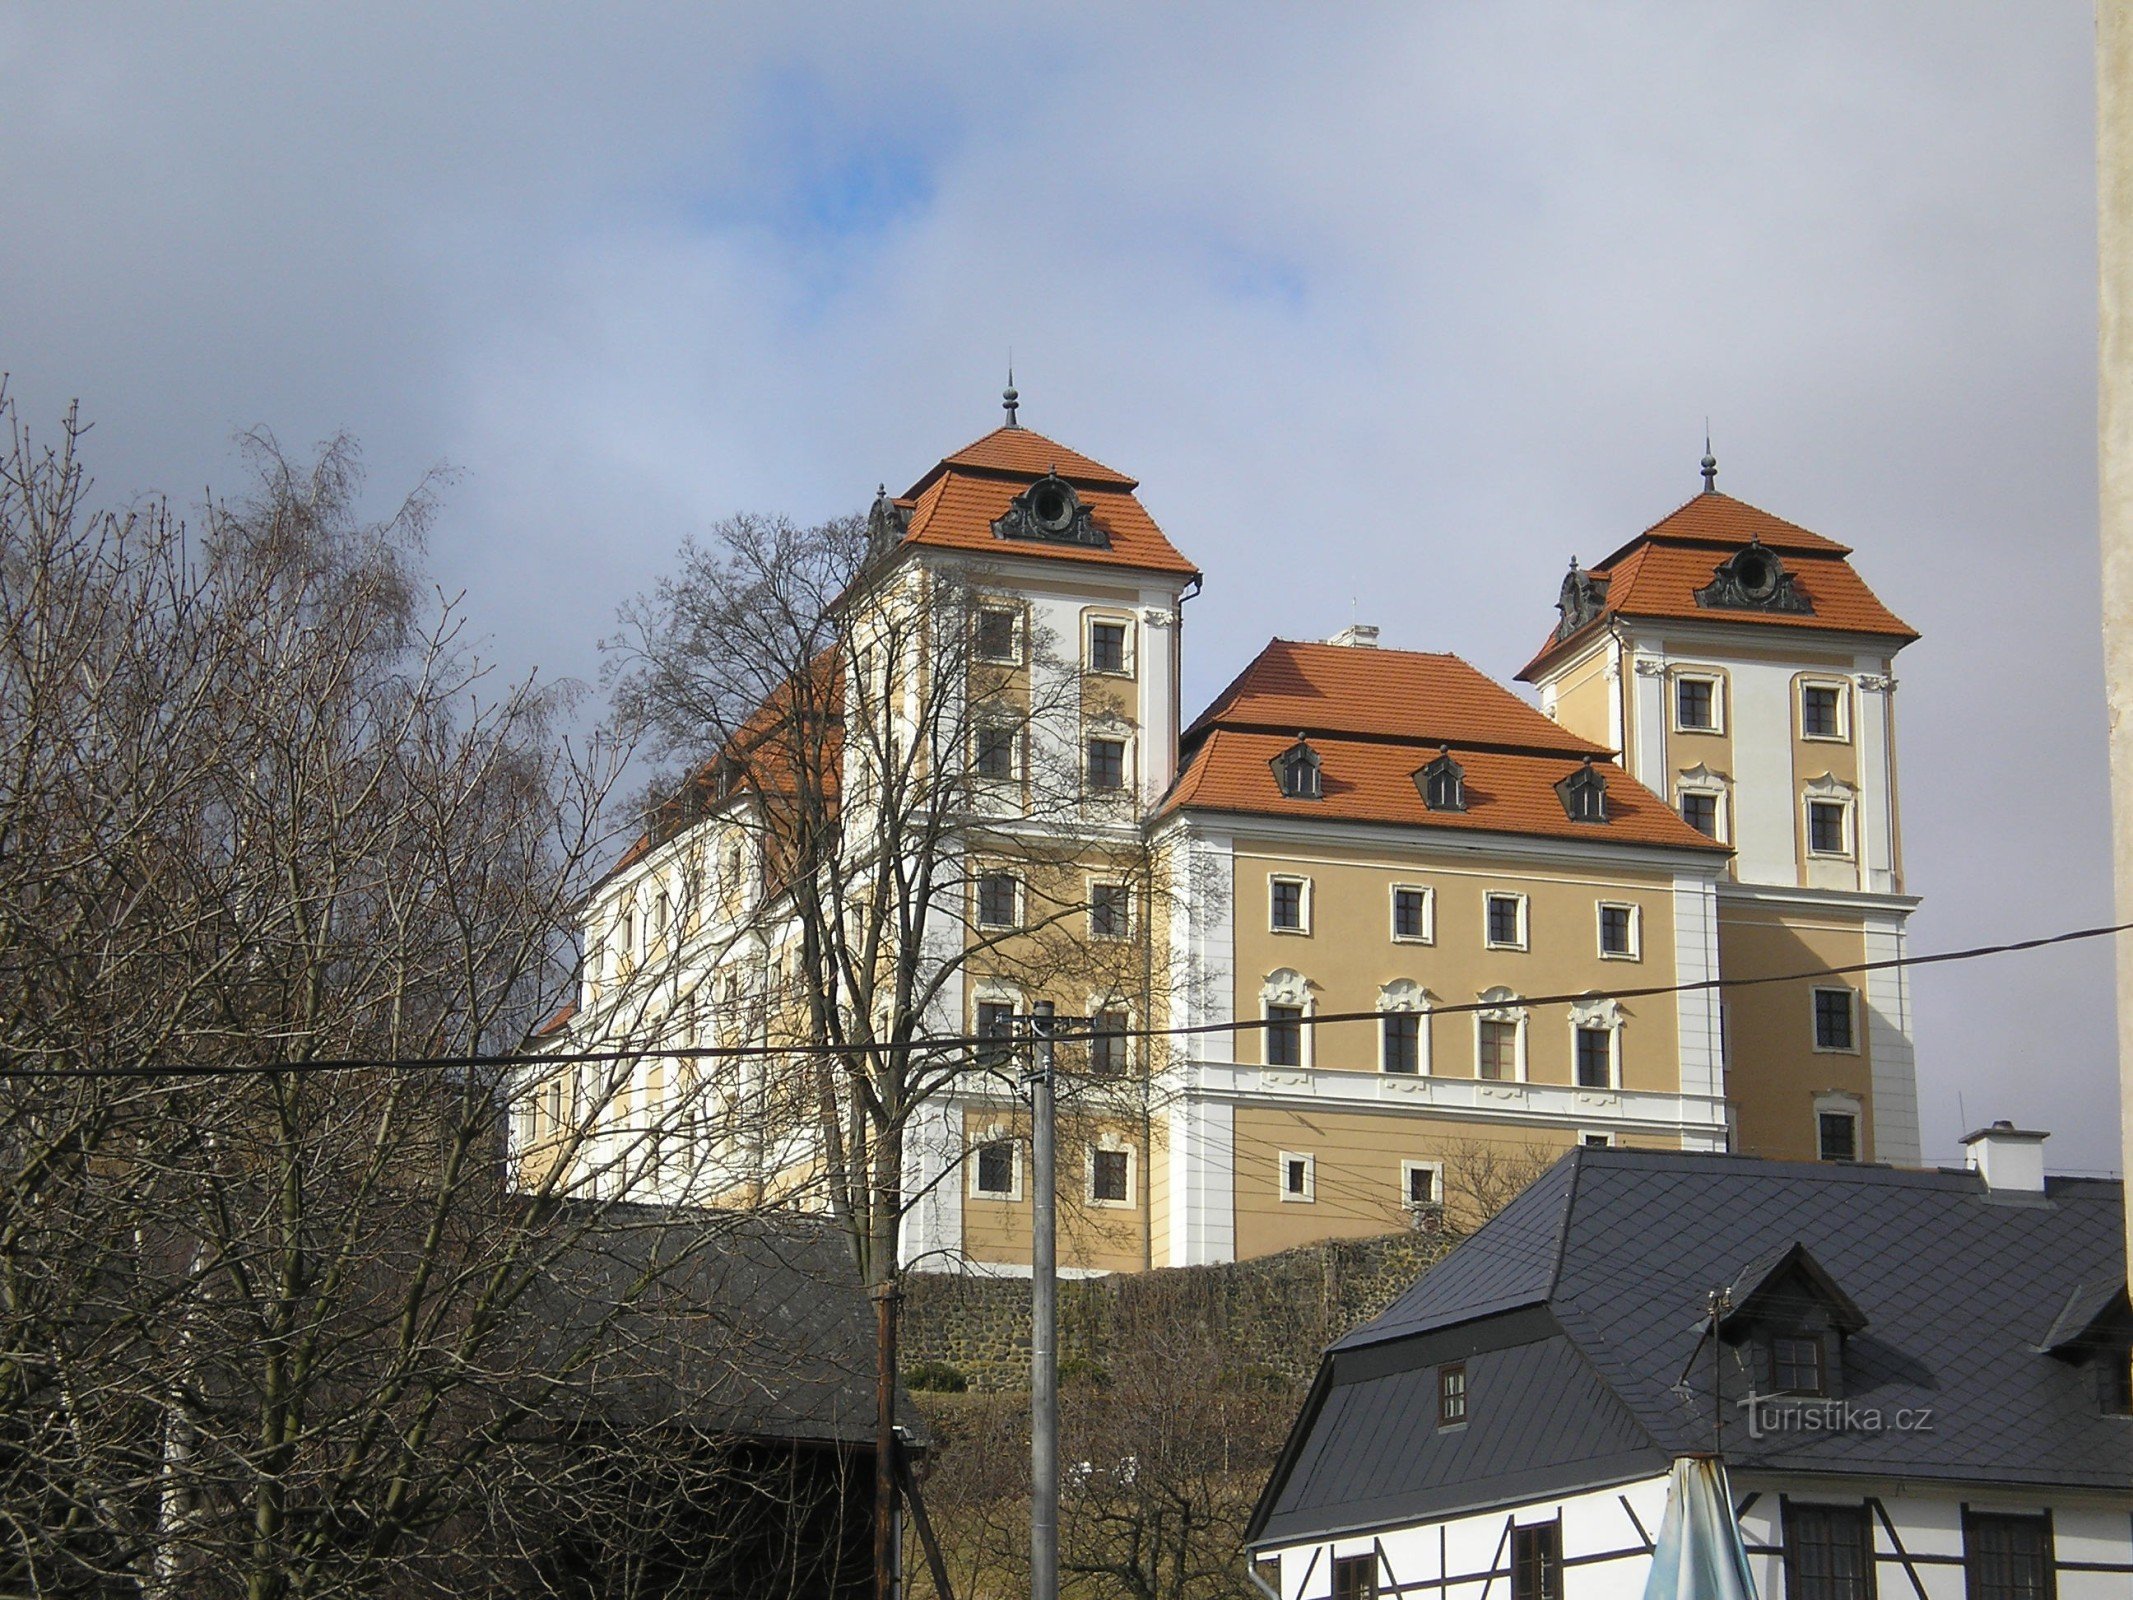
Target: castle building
[{"x": 1397, "y": 936}]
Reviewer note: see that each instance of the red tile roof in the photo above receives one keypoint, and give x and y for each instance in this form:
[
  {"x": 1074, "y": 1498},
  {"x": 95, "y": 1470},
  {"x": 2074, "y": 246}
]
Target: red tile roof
[
  {"x": 956, "y": 503},
  {"x": 1371, "y": 781},
  {"x": 1658, "y": 573},
  {"x": 1408, "y": 695}
]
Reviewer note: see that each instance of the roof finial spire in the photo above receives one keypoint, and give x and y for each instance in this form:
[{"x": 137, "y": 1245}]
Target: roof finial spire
[
  {"x": 1710, "y": 462},
  {"x": 1009, "y": 400}
]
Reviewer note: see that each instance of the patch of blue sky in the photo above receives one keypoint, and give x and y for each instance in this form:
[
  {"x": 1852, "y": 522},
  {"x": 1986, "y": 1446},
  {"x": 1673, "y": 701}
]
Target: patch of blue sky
[
  {"x": 1261, "y": 276},
  {"x": 825, "y": 185}
]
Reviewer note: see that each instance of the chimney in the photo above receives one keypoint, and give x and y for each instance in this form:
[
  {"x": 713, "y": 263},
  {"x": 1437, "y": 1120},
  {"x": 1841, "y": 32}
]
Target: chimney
[
  {"x": 1357, "y": 636},
  {"x": 2008, "y": 1158}
]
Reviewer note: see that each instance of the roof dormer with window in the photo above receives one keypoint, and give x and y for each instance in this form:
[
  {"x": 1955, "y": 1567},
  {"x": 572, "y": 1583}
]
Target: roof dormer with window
[{"x": 1790, "y": 1321}]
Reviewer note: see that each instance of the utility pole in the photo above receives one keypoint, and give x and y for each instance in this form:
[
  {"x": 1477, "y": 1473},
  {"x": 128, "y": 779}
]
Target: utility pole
[{"x": 1044, "y": 1317}]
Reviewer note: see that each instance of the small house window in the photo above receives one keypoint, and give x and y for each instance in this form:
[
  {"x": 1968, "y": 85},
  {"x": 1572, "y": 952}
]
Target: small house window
[
  {"x": 1596, "y": 1058},
  {"x": 1297, "y": 1177},
  {"x": 999, "y": 894},
  {"x": 1700, "y": 811},
  {"x": 1821, "y": 711},
  {"x": 1110, "y": 1177},
  {"x": 1618, "y": 930},
  {"x": 1108, "y": 1043},
  {"x": 1829, "y": 1553},
  {"x": 2007, "y": 1557},
  {"x": 1107, "y": 765},
  {"x": 1837, "y": 1135},
  {"x": 2114, "y": 1381},
  {"x": 996, "y": 635},
  {"x": 996, "y": 1020},
  {"x": 996, "y": 1168},
  {"x": 1826, "y": 827},
  {"x": 1410, "y": 915},
  {"x": 1107, "y": 647},
  {"x": 1537, "y": 1561},
  {"x": 1285, "y": 905},
  {"x": 1355, "y": 1577},
  {"x": 1506, "y": 915},
  {"x": 1110, "y": 911},
  {"x": 1284, "y": 1036},
  {"x": 1443, "y": 783},
  {"x": 1833, "y": 1020},
  {"x": 996, "y": 751},
  {"x": 1796, "y": 1365},
  {"x": 1296, "y": 769},
  {"x": 1422, "y": 1183},
  {"x": 1696, "y": 704},
  {"x": 1402, "y": 1033},
  {"x": 1584, "y": 794},
  {"x": 1451, "y": 1394},
  {"x": 1498, "y": 1050}
]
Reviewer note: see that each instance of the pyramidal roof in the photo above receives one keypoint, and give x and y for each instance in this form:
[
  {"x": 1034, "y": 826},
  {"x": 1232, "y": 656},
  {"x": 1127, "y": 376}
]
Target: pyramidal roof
[
  {"x": 959, "y": 499},
  {"x": 1658, "y": 573}
]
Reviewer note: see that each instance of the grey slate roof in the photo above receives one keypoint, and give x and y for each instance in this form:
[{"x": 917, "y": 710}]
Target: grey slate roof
[
  {"x": 1606, "y": 1261},
  {"x": 737, "y": 1324}
]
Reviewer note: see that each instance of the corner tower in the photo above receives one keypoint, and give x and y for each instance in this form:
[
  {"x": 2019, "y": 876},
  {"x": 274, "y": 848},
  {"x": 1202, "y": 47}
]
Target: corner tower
[{"x": 1745, "y": 672}]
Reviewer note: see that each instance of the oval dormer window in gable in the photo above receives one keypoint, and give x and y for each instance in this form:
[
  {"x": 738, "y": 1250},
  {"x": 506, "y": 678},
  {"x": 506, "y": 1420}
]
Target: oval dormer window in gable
[
  {"x": 1296, "y": 769},
  {"x": 1584, "y": 794},
  {"x": 1753, "y": 579},
  {"x": 1442, "y": 782},
  {"x": 1051, "y": 512}
]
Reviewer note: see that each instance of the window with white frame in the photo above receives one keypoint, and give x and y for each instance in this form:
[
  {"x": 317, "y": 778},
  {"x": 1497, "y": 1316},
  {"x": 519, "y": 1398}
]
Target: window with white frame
[
  {"x": 1110, "y": 1174},
  {"x": 1596, "y": 1141},
  {"x": 1422, "y": 1185},
  {"x": 1825, "y": 710},
  {"x": 1827, "y": 804},
  {"x": 1504, "y": 920},
  {"x": 1110, "y": 911},
  {"x": 1835, "y": 1020},
  {"x": 1414, "y": 913},
  {"x": 999, "y": 900},
  {"x": 1621, "y": 929},
  {"x": 996, "y": 1167},
  {"x": 1110, "y": 1049},
  {"x": 997, "y": 634},
  {"x": 1500, "y": 1038},
  {"x": 1837, "y": 1118},
  {"x": 996, "y": 1021},
  {"x": 998, "y": 751},
  {"x": 1288, "y": 903},
  {"x": 1298, "y": 1176},
  {"x": 1108, "y": 646},
  {"x": 1104, "y": 765},
  {"x": 1285, "y": 1006},
  {"x": 1403, "y": 1029},
  {"x": 1699, "y": 702},
  {"x": 1596, "y": 1043},
  {"x": 1700, "y": 797}
]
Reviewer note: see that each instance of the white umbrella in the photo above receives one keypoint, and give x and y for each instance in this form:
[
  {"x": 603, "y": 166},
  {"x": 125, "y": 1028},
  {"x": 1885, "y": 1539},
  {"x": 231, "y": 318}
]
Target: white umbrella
[{"x": 1699, "y": 1555}]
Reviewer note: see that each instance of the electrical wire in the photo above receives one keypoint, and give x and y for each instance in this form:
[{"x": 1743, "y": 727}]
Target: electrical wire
[{"x": 940, "y": 1044}]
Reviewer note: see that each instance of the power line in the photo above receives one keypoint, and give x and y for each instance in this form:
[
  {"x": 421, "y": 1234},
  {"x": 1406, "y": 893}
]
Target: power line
[{"x": 943, "y": 1043}]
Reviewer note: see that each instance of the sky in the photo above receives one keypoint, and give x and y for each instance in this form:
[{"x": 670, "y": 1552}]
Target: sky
[{"x": 1391, "y": 309}]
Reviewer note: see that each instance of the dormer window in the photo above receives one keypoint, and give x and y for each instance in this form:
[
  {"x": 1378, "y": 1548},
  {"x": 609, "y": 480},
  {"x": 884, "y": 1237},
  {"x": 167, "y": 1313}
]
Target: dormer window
[
  {"x": 1296, "y": 769},
  {"x": 1796, "y": 1319},
  {"x": 1051, "y": 512},
  {"x": 1584, "y": 794},
  {"x": 2094, "y": 1329},
  {"x": 1753, "y": 579},
  {"x": 1442, "y": 783}
]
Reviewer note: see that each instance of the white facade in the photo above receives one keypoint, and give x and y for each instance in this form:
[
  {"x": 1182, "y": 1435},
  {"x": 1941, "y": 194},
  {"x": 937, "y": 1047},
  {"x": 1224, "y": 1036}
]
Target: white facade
[{"x": 1606, "y": 1535}]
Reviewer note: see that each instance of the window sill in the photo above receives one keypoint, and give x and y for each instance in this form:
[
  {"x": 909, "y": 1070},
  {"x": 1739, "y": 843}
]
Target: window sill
[
  {"x": 1621, "y": 955},
  {"x": 1299, "y": 933},
  {"x": 1514, "y": 949},
  {"x": 1414, "y": 938}
]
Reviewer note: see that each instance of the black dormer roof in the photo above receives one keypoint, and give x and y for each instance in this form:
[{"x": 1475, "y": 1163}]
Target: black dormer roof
[{"x": 1779, "y": 1286}]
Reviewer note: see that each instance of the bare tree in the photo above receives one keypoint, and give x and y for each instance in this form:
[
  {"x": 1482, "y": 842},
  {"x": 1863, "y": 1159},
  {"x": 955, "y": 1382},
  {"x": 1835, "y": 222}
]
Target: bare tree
[
  {"x": 267, "y": 834},
  {"x": 903, "y": 766}
]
